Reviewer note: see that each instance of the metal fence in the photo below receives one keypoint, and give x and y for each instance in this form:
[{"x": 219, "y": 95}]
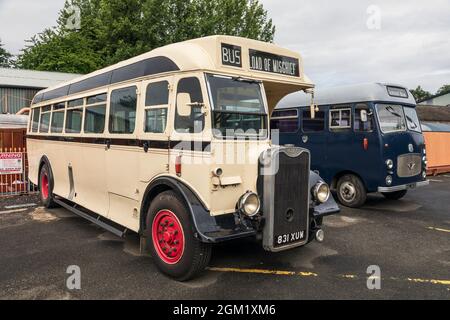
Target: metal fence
[{"x": 14, "y": 172}]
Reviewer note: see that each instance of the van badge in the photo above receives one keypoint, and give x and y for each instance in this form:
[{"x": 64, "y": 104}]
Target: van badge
[
  {"x": 305, "y": 139},
  {"x": 410, "y": 148},
  {"x": 411, "y": 166}
]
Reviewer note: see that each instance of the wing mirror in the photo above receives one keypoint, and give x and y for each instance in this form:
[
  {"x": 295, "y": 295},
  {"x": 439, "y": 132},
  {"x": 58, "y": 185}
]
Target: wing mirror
[
  {"x": 363, "y": 115},
  {"x": 184, "y": 104}
]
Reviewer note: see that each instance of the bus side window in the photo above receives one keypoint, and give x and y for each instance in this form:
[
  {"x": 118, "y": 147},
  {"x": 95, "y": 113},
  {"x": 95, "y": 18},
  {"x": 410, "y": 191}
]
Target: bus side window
[
  {"x": 359, "y": 125},
  {"x": 122, "y": 119},
  {"x": 44, "y": 124},
  {"x": 94, "y": 117},
  {"x": 313, "y": 125},
  {"x": 195, "y": 122},
  {"x": 156, "y": 106},
  {"x": 35, "y": 124},
  {"x": 58, "y": 118},
  {"x": 74, "y": 116},
  {"x": 286, "y": 121},
  {"x": 340, "y": 118}
]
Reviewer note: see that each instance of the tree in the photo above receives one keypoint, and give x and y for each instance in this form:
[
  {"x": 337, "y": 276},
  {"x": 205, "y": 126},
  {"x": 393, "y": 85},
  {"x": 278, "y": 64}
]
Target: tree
[
  {"x": 5, "y": 57},
  {"x": 420, "y": 94},
  {"x": 444, "y": 89},
  {"x": 114, "y": 30}
]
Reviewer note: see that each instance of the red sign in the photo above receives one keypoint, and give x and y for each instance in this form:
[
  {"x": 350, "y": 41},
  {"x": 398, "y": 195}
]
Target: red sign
[{"x": 11, "y": 163}]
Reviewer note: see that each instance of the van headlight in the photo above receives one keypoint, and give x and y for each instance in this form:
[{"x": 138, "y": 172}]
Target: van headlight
[
  {"x": 321, "y": 192},
  {"x": 249, "y": 204}
]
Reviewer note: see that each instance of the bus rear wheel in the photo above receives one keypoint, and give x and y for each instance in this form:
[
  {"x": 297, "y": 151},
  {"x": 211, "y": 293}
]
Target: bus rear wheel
[
  {"x": 46, "y": 187},
  {"x": 177, "y": 253},
  {"x": 396, "y": 195},
  {"x": 351, "y": 191}
]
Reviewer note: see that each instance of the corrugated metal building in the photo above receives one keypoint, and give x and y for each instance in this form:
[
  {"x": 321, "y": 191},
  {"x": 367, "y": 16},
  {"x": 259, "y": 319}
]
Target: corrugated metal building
[{"x": 18, "y": 87}]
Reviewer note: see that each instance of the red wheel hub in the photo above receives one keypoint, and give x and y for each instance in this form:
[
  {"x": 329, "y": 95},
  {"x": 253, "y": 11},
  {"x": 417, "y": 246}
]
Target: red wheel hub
[
  {"x": 44, "y": 185},
  {"x": 168, "y": 236}
]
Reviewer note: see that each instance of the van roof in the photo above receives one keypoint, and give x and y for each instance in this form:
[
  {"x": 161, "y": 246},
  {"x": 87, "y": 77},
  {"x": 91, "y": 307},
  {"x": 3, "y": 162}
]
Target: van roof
[
  {"x": 346, "y": 94},
  {"x": 201, "y": 54}
]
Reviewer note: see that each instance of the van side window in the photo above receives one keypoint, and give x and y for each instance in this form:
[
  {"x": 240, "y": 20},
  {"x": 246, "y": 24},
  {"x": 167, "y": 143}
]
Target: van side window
[
  {"x": 340, "y": 119},
  {"x": 44, "y": 124},
  {"x": 313, "y": 125},
  {"x": 195, "y": 121},
  {"x": 94, "y": 117},
  {"x": 36, "y": 114},
  {"x": 359, "y": 125},
  {"x": 123, "y": 104},
  {"x": 58, "y": 118},
  {"x": 156, "y": 105},
  {"x": 74, "y": 116},
  {"x": 286, "y": 121}
]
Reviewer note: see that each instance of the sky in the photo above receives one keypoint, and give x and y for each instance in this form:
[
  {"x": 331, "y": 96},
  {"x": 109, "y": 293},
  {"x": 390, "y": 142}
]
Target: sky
[{"x": 342, "y": 42}]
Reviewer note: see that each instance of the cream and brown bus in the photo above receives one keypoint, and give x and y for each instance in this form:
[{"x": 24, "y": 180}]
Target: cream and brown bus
[{"x": 174, "y": 145}]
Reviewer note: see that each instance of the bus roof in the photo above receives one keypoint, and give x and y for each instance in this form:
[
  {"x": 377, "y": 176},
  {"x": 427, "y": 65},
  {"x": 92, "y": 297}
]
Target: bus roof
[
  {"x": 347, "y": 94},
  {"x": 280, "y": 69}
]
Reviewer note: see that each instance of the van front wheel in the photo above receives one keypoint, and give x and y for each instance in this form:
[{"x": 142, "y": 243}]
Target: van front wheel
[
  {"x": 176, "y": 252},
  {"x": 351, "y": 191},
  {"x": 394, "y": 195}
]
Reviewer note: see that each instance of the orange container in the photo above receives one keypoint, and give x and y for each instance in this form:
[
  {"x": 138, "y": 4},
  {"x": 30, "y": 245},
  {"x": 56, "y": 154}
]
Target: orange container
[{"x": 438, "y": 152}]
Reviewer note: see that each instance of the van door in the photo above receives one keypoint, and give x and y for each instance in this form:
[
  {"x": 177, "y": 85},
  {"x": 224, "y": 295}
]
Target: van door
[
  {"x": 312, "y": 136},
  {"x": 157, "y": 108},
  {"x": 366, "y": 146}
]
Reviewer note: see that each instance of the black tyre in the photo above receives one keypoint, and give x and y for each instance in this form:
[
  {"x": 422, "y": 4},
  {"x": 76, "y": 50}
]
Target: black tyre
[
  {"x": 395, "y": 195},
  {"x": 351, "y": 191},
  {"x": 170, "y": 238},
  {"x": 46, "y": 184}
]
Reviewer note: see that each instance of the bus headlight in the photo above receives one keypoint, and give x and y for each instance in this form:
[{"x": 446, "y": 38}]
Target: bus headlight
[
  {"x": 388, "y": 180},
  {"x": 321, "y": 192},
  {"x": 249, "y": 204},
  {"x": 389, "y": 164}
]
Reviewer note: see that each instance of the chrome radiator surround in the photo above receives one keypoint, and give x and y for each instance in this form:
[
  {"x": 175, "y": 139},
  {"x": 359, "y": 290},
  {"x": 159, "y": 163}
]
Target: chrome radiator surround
[
  {"x": 269, "y": 160},
  {"x": 409, "y": 165}
]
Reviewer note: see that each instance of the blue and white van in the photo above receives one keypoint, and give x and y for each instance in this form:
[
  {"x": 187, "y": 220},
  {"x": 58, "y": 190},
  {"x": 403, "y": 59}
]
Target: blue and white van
[{"x": 363, "y": 138}]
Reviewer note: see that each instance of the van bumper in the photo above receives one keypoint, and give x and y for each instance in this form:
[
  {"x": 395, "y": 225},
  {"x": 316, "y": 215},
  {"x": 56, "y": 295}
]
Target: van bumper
[{"x": 404, "y": 186}]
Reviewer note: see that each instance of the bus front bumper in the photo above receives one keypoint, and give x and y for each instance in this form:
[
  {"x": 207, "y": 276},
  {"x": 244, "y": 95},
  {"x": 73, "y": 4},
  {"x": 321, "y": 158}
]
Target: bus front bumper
[{"x": 404, "y": 186}]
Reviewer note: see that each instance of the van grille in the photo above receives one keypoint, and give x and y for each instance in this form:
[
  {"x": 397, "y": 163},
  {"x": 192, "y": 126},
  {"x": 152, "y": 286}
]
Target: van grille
[{"x": 409, "y": 165}]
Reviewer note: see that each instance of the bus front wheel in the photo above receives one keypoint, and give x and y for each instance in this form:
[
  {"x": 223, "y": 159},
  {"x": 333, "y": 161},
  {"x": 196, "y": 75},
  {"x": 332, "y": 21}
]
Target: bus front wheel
[
  {"x": 351, "y": 191},
  {"x": 394, "y": 195},
  {"x": 177, "y": 253},
  {"x": 46, "y": 187}
]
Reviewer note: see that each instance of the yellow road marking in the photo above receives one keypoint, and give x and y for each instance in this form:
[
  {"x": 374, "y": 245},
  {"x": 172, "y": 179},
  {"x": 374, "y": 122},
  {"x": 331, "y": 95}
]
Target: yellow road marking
[
  {"x": 264, "y": 271},
  {"x": 313, "y": 274},
  {"x": 439, "y": 229},
  {"x": 444, "y": 282}
]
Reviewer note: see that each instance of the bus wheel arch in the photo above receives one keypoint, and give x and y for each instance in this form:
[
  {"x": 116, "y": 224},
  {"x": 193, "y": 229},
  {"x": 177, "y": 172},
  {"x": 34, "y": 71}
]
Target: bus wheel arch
[
  {"x": 350, "y": 188},
  {"x": 163, "y": 184}
]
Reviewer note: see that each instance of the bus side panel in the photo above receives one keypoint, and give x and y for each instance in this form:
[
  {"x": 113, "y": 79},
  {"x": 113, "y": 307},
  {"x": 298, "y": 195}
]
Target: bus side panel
[
  {"x": 35, "y": 153},
  {"x": 89, "y": 173}
]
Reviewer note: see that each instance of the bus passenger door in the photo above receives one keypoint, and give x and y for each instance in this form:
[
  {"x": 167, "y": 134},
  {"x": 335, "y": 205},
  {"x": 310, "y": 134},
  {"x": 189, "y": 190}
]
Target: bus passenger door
[
  {"x": 157, "y": 102},
  {"x": 122, "y": 148}
]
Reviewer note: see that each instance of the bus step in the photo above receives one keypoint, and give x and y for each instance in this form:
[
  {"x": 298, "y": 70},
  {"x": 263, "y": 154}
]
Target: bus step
[{"x": 94, "y": 218}]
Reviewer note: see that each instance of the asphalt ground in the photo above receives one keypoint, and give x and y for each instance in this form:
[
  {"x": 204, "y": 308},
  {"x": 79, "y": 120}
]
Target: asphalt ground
[{"x": 409, "y": 240}]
